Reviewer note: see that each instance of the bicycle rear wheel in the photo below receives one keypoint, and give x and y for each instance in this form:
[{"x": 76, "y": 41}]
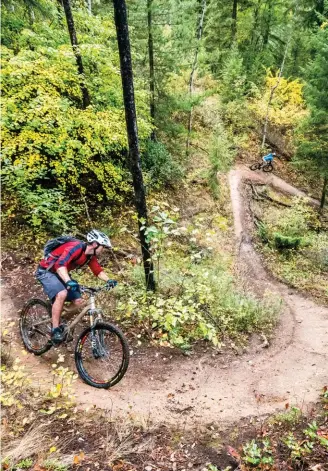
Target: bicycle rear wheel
[
  {"x": 256, "y": 166},
  {"x": 102, "y": 355},
  {"x": 35, "y": 326}
]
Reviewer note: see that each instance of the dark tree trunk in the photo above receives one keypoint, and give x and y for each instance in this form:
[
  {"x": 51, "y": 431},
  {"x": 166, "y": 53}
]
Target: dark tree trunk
[
  {"x": 151, "y": 66},
  {"x": 324, "y": 192},
  {"x": 267, "y": 30},
  {"x": 76, "y": 50},
  {"x": 234, "y": 20},
  {"x": 255, "y": 24},
  {"x": 121, "y": 23}
]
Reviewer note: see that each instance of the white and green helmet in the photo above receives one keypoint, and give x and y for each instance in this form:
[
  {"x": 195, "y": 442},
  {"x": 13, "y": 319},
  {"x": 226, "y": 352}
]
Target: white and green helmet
[{"x": 100, "y": 237}]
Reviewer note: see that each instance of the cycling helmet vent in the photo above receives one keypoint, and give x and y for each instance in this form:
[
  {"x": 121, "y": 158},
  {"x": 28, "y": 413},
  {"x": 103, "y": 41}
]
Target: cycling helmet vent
[{"x": 100, "y": 237}]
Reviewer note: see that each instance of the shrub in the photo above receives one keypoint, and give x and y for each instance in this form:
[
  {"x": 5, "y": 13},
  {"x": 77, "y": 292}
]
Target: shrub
[
  {"x": 282, "y": 242},
  {"x": 161, "y": 168},
  {"x": 222, "y": 153},
  {"x": 33, "y": 205},
  {"x": 203, "y": 303}
]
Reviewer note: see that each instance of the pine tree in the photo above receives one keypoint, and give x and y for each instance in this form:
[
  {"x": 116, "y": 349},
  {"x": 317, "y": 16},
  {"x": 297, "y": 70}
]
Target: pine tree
[{"x": 312, "y": 152}]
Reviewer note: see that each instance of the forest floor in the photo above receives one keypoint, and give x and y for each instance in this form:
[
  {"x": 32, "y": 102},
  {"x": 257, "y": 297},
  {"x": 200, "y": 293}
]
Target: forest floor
[{"x": 206, "y": 388}]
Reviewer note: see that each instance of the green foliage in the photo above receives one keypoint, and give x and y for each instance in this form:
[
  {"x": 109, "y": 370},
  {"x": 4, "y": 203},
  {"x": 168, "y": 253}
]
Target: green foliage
[
  {"x": 24, "y": 464},
  {"x": 65, "y": 153},
  {"x": 258, "y": 454},
  {"x": 160, "y": 167},
  {"x": 222, "y": 153},
  {"x": 54, "y": 465},
  {"x": 233, "y": 77},
  {"x": 295, "y": 245},
  {"x": 289, "y": 230},
  {"x": 282, "y": 242},
  {"x": 197, "y": 297},
  {"x": 202, "y": 303},
  {"x": 291, "y": 417},
  {"x": 38, "y": 207},
  {"x": 312, "y": 135}
]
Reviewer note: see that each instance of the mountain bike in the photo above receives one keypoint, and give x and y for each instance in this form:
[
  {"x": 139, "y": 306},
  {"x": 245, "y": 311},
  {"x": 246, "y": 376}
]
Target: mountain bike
[
  {"x": 101, "y": 351},
  {"x": 265, "y": 166}
]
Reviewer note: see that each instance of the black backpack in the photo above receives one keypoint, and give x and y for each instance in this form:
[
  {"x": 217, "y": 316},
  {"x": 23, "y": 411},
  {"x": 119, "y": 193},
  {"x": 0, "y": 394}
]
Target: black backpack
[{"x": 53, "y": 244}]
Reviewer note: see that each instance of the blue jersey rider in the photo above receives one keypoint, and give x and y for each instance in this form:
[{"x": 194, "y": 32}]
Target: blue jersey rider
[{"x": 269, "y": 158}]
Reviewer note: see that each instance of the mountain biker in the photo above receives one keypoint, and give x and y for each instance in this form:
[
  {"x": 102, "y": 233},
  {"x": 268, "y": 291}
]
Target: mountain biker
[
  {"x": 53, "y": 274},
  {"x": 269, "y": 158}
]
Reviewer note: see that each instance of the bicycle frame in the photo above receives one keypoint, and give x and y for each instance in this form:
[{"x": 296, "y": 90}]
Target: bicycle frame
[{"x": 90, "y": 307}]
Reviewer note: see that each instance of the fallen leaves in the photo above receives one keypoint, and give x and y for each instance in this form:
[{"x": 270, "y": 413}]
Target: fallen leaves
[{"x": 78, "y": 458}]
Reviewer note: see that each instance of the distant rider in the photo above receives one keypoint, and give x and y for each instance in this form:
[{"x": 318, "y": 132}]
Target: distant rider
[
  {"x": 53, "y": 274},
  {"x": 269, "y": 158}
]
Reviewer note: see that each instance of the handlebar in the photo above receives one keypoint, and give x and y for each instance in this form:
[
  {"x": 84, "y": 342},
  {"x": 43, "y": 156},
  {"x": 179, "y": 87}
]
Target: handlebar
[{"x": 90, "y": 290}]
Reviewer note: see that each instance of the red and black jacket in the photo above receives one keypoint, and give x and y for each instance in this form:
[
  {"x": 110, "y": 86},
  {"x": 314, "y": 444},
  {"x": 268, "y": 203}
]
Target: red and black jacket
[{"x": 70, "y": 255}]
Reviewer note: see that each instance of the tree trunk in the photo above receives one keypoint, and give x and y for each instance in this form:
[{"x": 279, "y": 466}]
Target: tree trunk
[
  {"x": 76, "y": 50},
  {"x": 123, "y": 41},
  {"x": 324, "y": 192},
  {"x": 268, "y": 25},
  {"x": 256, "y": 16},
  {"x": 151, "y": 66},
  {"x": 89, "y": 6},
  {"x": 234, "y": 20},
  {"x": 194, "y": 66},
  {"x": 266, "y": 120}
]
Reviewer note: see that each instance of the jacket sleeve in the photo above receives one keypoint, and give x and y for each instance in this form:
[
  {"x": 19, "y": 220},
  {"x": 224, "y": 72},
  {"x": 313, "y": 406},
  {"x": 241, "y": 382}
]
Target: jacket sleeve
[
  {"x": 94, "y": 266},
  {"x": 69, "y": 253}
]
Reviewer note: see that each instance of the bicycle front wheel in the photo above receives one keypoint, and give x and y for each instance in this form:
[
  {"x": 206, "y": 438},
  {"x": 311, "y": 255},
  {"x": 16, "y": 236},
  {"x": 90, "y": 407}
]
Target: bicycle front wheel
[
  {"x": 35, "y": 326},
  {"x": 268, "y": 167},
  {"x": 102, "y": 355}
]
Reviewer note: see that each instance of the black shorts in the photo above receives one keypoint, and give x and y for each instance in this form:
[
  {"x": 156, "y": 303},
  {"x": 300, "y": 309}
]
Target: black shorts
[{"x": 52, "y": 284}]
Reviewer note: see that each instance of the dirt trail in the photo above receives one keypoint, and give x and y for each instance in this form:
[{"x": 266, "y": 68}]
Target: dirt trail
[{"x": 187, "y": 390}]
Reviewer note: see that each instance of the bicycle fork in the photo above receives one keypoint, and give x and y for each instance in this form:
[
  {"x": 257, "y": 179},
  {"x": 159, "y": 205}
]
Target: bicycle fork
[{"x": 97, "y": 349}]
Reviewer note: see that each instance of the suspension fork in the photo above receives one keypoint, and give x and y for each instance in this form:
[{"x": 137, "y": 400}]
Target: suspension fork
[
  {"x": 92, "y": 310},
  {"x": 93, "y": 320}
]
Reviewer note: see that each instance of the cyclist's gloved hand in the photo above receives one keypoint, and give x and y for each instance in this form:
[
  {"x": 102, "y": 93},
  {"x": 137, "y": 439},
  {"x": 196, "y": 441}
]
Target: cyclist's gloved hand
[
  {"x": 110, "y": 284},
  {"x": 72, "y": 285}
]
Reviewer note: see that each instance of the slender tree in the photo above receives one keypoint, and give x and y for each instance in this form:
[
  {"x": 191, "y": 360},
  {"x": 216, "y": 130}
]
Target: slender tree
[
  {"x": 77, "y": 53},
  {"x": 281, "y": 69},
  {"x": 312, "y": 148},
  {"x": 151, "y": 65},
  {"x": 193, "y": 69},
  {"x": 234, "y": 20},
  {"x": 121, "y": 23}
]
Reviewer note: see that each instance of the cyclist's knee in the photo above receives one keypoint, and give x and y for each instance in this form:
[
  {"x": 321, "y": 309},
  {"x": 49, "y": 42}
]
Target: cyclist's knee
[
  {"x": 78, "y": 301},
  {"x": 62, "y": 295}
]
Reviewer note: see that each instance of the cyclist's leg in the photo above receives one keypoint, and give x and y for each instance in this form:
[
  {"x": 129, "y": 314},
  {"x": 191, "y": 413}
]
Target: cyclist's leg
[
  {"x": 55, "y": 289},
  {"x": 57, "y": 307}
]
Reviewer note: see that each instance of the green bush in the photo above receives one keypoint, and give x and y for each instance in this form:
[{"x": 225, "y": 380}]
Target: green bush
[
  {"x": 222, "y": 154},
  {"x": 34, "y": 206},
  {"x": 282, "y": 242},
  {"x": 161, "y": 169},
  {"x": 200, "y": 302}
]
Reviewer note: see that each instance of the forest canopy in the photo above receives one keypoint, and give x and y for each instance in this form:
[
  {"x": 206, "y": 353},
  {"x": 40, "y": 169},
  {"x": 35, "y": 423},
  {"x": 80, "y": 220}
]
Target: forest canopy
[{"x": 57, "y": 152}]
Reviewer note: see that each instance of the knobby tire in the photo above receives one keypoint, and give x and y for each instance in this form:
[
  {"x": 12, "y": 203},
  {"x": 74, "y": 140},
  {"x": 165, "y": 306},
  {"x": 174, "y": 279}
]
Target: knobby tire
[
  {"x": 268, "y": 168},
  {"x": 23, "y": 326},
  {"x": 81, "y": 351}
]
